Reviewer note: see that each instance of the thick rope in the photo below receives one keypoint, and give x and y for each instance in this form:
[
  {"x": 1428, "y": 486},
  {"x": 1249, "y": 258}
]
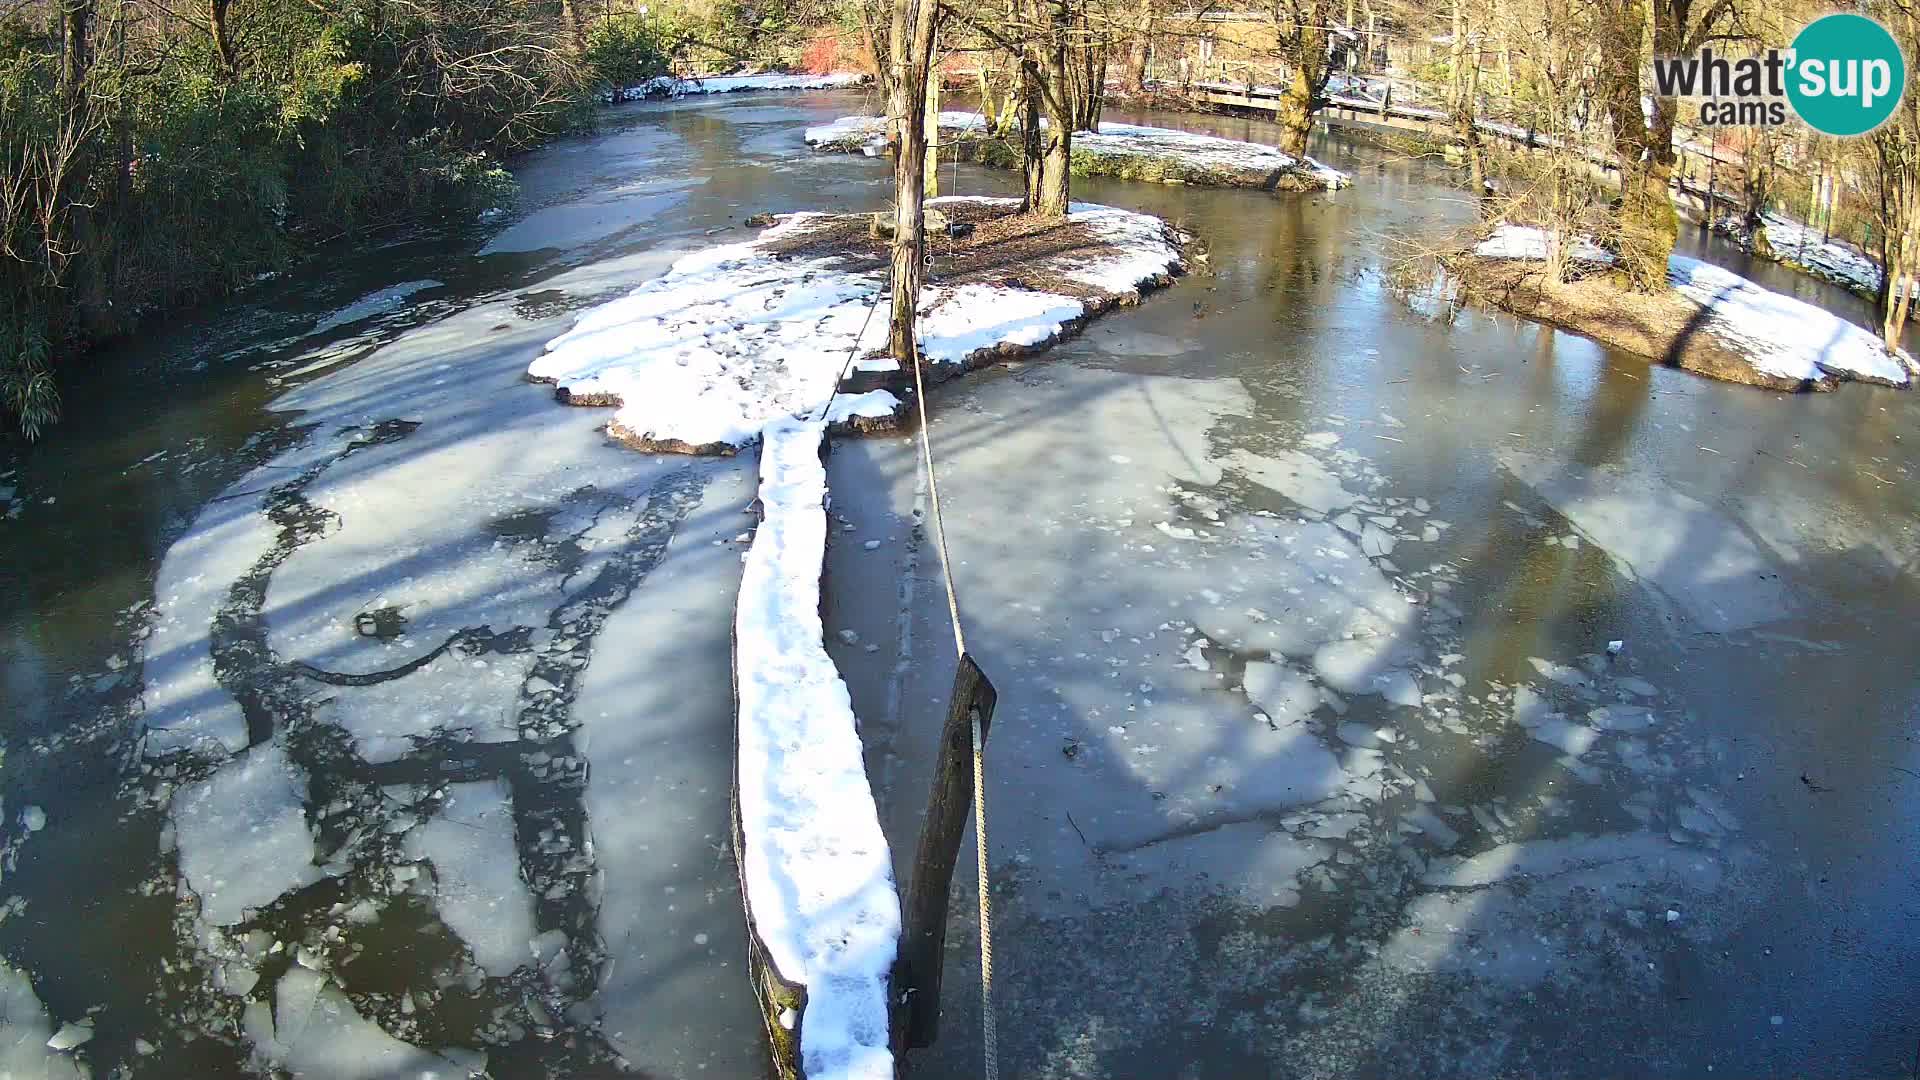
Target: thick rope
[{"x": 989, "y": 1033}]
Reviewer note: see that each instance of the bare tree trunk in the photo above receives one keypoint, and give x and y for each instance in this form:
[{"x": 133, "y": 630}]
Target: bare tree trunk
[
  {"x": 222, "y": 37},
  {"x": 76, "y": 51},
  {"x": 1138, "y": 46},
  {"x": 1056, "y": 177},
  {"x": 1302, "y": 32},
  {"x": 910, "y": 49},
  {"x": 1466, "y": 92},
  {"x": 1644, "y": 217},
  {"x": 1032, "y": 149}
]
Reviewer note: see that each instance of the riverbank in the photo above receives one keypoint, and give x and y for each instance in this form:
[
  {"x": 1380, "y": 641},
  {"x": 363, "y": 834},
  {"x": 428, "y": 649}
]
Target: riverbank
[
  {"x": 1153, "y": 155},
  {"x": 730, "y": 339},
  {"x": 1711, "y": 322}
]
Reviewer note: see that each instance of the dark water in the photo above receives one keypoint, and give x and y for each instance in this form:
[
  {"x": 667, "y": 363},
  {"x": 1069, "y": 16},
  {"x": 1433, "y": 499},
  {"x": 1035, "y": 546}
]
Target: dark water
[{"x": 1805, "y": 719}]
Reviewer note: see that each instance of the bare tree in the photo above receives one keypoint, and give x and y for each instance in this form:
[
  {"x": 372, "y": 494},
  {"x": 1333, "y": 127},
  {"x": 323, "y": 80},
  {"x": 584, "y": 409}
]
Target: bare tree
[
  {"x": 908, "y": 66},
  {"x": 1302, "y": 36},
  {"x": 1894, "y": 171}
]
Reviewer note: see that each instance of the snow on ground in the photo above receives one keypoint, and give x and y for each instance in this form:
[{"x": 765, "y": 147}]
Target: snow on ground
[
  {"x": 477, "y": 871},
  {"x": 1779, "y": 335},
  {"x": 819, "y": 880},
  {"x": 25, "y": 1033},
  {"x": 1784, "y": 336},
  {"x": 673, "y": 86},
  {"x": 1529, "y": 242},
  {"x": 1253, "y": 162},
  {"x": 242, "y": 835},
  {"x": 1206, "y": 151},
  {"x": 734, "y": 338},
  {"x": 1823, "y": 257}
]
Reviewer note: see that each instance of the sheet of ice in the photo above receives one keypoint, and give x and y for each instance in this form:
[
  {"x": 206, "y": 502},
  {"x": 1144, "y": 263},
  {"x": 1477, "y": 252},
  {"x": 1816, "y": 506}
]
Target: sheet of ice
[
  {"x": 183, "y": 704},
  {"x": 1784, "y": 336},
  {"x": 25, "y": 1030},
  {"x": 1689, "y": 551},
  {"x": 473, "y": 698},
  {"x": 1778, "y": 334},
  {"x": 818, "y": 874},
  {"x": 1299, "y": 476},
  {"x": 309, "y": 1028},
  {"x": 1256, "y": 160},
  {"x": 378, "y": 302},
  {"x": 733, "y": 338},
  {"x": 656, "y": 727},
  {"x": 476, "y": 868},
  {"x": 242, "y": 834}
]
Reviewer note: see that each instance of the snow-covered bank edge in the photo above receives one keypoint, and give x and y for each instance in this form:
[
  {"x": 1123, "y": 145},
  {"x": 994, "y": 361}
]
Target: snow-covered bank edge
[
  {"x": 1801, "y": 247},
  {"x": 816, "y": 876},
  {"x": 674, "y": 86},
  {"x": 735, "y": 337},
  {"x": 1127, "y": 151},
  {"x": 1713, "y": 321}
]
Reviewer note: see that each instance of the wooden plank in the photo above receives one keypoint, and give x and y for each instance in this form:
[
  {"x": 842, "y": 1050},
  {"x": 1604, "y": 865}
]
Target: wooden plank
[{"x": 923, "y": 936}]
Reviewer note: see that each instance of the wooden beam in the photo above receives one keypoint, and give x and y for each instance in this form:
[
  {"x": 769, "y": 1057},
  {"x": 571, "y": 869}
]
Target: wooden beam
[{"x": 923, "y": 935}]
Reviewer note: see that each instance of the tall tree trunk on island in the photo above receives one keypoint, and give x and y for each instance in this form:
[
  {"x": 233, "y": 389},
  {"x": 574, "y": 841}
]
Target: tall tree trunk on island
[
  {"x": 1465, "y": 62},
  {"x": 1056, "y": 175},
  {"x": 1301, "y": 30},
  {"x": 910, "y": 49},
  {"x": 1032, "y": 149},
  {"x": 1645, "y": 222}
]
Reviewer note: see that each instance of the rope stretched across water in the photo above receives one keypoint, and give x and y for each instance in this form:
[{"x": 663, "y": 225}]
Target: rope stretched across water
[{"x": 989, "y": 1035}]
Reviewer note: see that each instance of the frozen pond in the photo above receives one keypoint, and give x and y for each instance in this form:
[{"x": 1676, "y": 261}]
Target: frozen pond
[{"x": 369, "y": 714}]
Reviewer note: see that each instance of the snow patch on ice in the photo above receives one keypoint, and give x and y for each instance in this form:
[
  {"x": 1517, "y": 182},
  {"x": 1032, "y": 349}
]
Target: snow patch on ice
[{"x": 818, "y": 876}]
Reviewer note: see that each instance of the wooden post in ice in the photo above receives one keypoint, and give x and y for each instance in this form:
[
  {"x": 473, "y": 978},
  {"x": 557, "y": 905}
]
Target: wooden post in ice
[{"x": 923, "y": 935}]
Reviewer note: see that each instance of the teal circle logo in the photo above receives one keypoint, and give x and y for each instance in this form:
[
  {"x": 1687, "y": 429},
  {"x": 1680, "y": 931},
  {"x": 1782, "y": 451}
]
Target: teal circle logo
[{"x": 1847, "y": 75}]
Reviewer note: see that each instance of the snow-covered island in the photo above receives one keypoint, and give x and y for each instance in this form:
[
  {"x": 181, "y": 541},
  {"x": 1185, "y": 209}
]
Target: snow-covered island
[
  {"x": 748, "y": 343},
  {"x": 1712, "y": 321},
  {"x": 734, "y": 338},
  {"x": 1127, "y": 151},
  {"x": 674, "y": 86}
]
